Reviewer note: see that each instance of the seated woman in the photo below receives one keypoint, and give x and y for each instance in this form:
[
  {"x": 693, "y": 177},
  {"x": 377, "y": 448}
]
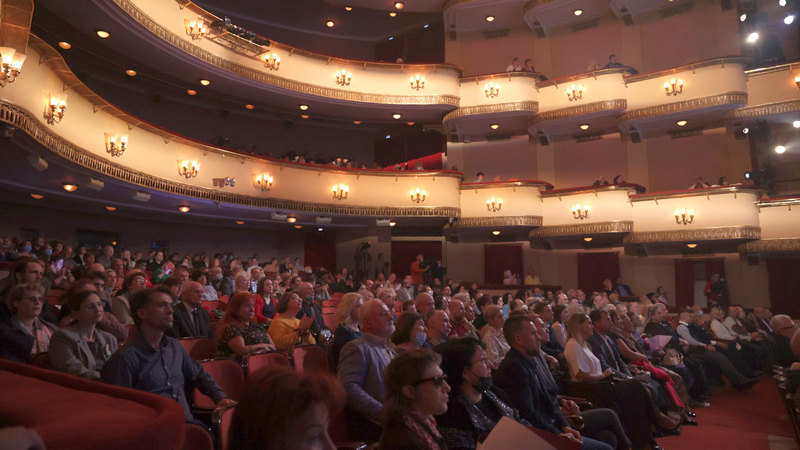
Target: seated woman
[
  {"x": 306, "y": 403},
  {"x": 560, "y": 316},
  {"x": 410, "y": 332},
  {"x": 82, "y": 349},
  {"x": 57, "y": 273},
  {"x": 492, "y": 336},
  {"x": 346, "y": 322},
  {"x": 475, "y": 406},
  {"x": 27, "y": 301},
  {"x": 238, "y": 334},
  {"x": 263, "y": 301},
  {"x": 416, "y": 391},
  {"x": 241, "y": 282},
  {"x": 120, "y": 305},
  {"x": 286, "y": 329}
]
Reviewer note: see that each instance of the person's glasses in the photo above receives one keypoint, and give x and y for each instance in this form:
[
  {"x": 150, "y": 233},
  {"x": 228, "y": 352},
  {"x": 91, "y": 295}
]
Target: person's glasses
[
  {"x": 437, "y": 381},
  {"x": 94, "y": 306},
  {"x": 35, "y": 299}
]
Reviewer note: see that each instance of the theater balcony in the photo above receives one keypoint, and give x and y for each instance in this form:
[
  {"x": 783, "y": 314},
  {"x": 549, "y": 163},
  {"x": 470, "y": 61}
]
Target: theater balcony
[{"x": 779, "y": 218}]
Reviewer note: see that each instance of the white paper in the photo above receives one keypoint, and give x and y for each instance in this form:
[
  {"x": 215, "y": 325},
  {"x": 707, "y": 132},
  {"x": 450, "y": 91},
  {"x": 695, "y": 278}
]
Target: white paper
[
  {"x": 658, "y": 342},
  {"x": 508, "y": 434}
]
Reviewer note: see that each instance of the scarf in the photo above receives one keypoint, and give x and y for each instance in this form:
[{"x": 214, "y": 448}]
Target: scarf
[{"x": 424, "y": 428}]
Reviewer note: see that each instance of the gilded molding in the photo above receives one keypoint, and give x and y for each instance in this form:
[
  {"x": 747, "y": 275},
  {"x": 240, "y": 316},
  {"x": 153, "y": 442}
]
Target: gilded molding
[
  {"x": 507, "y": 221},
  {"x": 770, "y": 245},
  {"x": 702, "y": 234},
  {"x": 582, "y": 229},
  {"x": 572, "y": 111},
  {"x": 505, "y": 184},
  {"x": 772, "y": 69},
  {"x": 735, "y": 190},
  {"x": 284, "y": 83},
  {"x": 524, "y": 106},
  {"x": 767, "y": 109},
  {"x": 768, "y": 203},
  {"x": 686, "y": 105},
  {"x": 26, "y": 122},
  {"x": 593, "y": 190}
]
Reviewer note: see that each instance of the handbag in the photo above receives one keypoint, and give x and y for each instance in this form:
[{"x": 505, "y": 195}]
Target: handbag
[{"x": 672, "y": 357}]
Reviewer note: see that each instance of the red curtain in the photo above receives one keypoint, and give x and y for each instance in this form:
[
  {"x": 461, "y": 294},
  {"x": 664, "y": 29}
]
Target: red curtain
[
  {"x": 593, "y": 268},
  {"x": 715, "y": 266},
  {"x": 405, "y": 252},
  {"x": 684, "y": 283},
  {"x": 498, "y": 258},
  {"x": 320, "y": 251},
  {"x": 784, "y": 284}
]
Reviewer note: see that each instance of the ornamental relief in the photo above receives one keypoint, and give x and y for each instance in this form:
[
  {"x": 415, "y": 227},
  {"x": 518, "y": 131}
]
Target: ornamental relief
[
  {"x": 523, "y": 106},
  {"x": 770, "y": 245},
  {"x": 624, "y": 226},
  {"x": 510, "y": 221},
  {"x": 703, "y": 234}
]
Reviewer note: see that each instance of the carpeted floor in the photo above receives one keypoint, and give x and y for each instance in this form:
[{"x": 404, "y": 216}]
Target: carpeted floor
[{"x": 751, "y": 420}]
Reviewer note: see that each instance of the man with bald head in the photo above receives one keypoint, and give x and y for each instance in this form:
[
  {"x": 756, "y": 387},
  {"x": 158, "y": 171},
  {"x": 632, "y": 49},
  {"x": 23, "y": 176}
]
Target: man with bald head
[
  {"x": 362, "y": 366},
  {"x": 388, "y": 296},
  {"x": 438, "y": 324},
  {"x": 459, "y": 325},
  {"x": 425, "y": 303},
  {"x": 313, "y": 309},
  {"x": 190, "y": 320},
  {"x": 784, "y": 328}
]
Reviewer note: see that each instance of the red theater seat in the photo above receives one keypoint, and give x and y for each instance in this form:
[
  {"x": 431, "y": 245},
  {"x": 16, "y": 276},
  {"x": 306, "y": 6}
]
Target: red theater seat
[
  {"x": 222, "y": 423},
  {"x": 310, "y": 358},
  {"x": 197, "y": 438},
  {"x": 229, "y": 376},
  {"x": 261, "y": 360},
  {"x": 198, "y": 348}
]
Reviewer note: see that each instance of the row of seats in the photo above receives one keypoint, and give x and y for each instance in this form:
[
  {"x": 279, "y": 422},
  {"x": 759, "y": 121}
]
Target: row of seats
[{"x": 792, "y": 408}]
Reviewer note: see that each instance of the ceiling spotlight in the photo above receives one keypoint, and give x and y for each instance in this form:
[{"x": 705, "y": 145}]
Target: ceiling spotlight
[
  {"x": 584, "y": 126},
  {"x": 781, "y": 2},
  {"x": 392, "y": 14},
  {"x": 752, "y": 37},
  {"x": 291, "y": 219},
  {"x": 191, "y": 92},
  {"x": 184, "y": 209},
  {"x": 130, "y": 73},
  {"x": 426, "y": 26},
  {"x": 70, "y": 187},
  {"x": 396, "y": 116},
  {"x": 411, "y": 124},
  {"x": 577, "y": 12},
  {"x": 357, "y": 122},
  {"x": 240, "y": 222},
  {"x": 780, "y": 149},
  {"x": 745, "y": 130},
  {"x": 399, "y": 5},
  {"x": 691, "y": 245},
  {"x": 103, "y": 34},
  {"x": 391, "y": 38},
  {"x": 494, "y": 126},
  {"x": 37, "y": 196},
  {"x": 588, "y": 239},
  {"x": 796, "y": 124},
  {"x": 388, "y": 136},
  {"x": 743, "y": 17},
  {"x": 249, "y": 106},
  {"x": 348, "y": 8},
  {"x": 496, "y": 232},
  {"x": 319, "y": 229},
  {"x": 303, "y": 107},
  {"x": 329, "y": 24},
  {"x": 205, "y": 82},
  {"x": 680, "y": 123},
  {"x": 788, "y": 19},
  {"x": 298, "y": 226},
  {"x": 392, "y": 223},
  {"x": 111, "y": 208},
  {"x": 304, "y": 116},
  {"x": 490, "y": 18},
  {"x": 65, "y": 45}
]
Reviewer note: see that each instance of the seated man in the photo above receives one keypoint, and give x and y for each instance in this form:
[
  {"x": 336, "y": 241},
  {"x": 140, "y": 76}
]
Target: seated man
[
  {"x": 425, "y": 303},
  {"x": 190, "y": 320},
  {"x": 690, "y": 328},
  {"x": 459, "y": 325},
  {"x": 156, "y": 363},
  {"x": 545, "y": 312},
  {"x": 438, "y": 328},
  {"x": 362, "y": 366},
  {"x": 784, "y": 328},
  {"x": 312, "y": 308}
]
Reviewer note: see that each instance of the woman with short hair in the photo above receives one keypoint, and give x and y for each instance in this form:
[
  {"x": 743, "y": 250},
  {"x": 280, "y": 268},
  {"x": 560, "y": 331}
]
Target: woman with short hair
[
  {"x": 27, "y": 301},
  {"x": 134, "y": 281}
]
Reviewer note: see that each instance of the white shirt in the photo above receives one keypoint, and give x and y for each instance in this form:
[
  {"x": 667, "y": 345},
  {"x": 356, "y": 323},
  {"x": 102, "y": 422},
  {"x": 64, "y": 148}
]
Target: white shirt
[
  {"x": 722, "y": 332},
  {"x": 581, "y": 359},
  {"x": 496, "y": 345},
  {"x": 730, "y": 322}
]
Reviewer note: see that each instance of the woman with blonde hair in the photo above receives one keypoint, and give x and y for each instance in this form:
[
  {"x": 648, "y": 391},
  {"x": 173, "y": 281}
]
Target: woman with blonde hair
[
  {"x": 492, "y": 336},
  {"x": 241, "y": 282},
  {"x": 347, "y": 327},
  {"x": 239, "y": 334}
]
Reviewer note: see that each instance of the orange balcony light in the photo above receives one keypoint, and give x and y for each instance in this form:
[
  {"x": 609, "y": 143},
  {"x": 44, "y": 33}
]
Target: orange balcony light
[
  {"x": 188, "y": 169},
  {"x": 491, "y": 89},
  {"x": 494, "y": 204},
  {"x": 418, "y": 195},
  {"x": 263, "y": 181},
  {"x": 673, "y": 86},
  {"x": 340, "y": 191},
  {"x": 580, "y": 211},
  {"x": 684, "y": 216}
]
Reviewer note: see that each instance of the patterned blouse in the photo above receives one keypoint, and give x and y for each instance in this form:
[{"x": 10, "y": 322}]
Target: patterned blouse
[{"x": 252, "y": 333}]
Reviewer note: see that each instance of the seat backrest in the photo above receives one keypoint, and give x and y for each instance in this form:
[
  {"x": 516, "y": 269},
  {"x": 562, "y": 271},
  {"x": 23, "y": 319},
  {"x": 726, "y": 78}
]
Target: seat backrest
[
  {"x": 229, "y": 376},
  {"x": 211, "y": 305},
  {"x": 310, "y": 358},
  {"x": 198, "y": 348},
  {"x": 197, "y": 438},
  {"x": 221, "y": 420},
  {"x": 261, "y": 360},
  {"x": 330, "y": 321},
  {"x": 41, "y": 359}
]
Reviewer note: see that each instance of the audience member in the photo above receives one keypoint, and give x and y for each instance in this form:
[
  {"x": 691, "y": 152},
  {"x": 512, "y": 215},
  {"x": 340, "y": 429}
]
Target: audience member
[
  {"x": 492, "y": 336},
  {"x": 238, "y": 334},
  {"x": 346, "y": 322},
  {"x": 515, "y": 66},
  {"x": 189, "y": 319},
  {"x": 313, "y": 309},
  {"x": 439, "y": 328},
  {"x": 120, "y": 304},
  {"x": 410, "y": 333},
  {"x": 784, "y": 328},
  {"x": 286, "y": 329},
  {"x": 27, "y": 301}
]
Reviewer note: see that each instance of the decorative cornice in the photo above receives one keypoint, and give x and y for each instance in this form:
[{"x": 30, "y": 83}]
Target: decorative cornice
[
  {"x": 727, "y": 98},
  {"x": 770, "y": 245},
  {"x": 618, "y": 104},
  {"x": 582, "y": 229},
  {"x": 693, "y": 235},
  {"x": 767, "y": 109},
  {"x": 24, "y": 121},
  {"x": 505, "y": 184},
  {"x": 284, "y": 83},
  {"x": 522, "y": 106},
  {"x": 485, "y": 222}
]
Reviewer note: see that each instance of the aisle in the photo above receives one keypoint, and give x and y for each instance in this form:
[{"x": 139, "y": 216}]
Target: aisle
[{"x": 750, "y": 420}]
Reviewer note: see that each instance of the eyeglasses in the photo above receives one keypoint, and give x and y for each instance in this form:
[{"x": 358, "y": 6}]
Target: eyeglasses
[
  {"x": 35, "y": 299},
  {"x": 437, "y": 381},
  {"x": 94, "y": 306}
]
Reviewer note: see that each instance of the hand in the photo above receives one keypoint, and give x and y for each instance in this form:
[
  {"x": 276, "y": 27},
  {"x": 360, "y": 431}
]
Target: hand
[
  {"x": 711, "y": 348},
  {"x": 722, "y": 345},
  {"x": 608, "y": 372},
  {"x": 572, "y": 435},
  {"x": 226, "y": 402},
  {"x": 256, "y": 348},
  {"x": 305, "y": 323},
  {"x": 551, "y": 360},
  {"x": 568, "y": 407}
]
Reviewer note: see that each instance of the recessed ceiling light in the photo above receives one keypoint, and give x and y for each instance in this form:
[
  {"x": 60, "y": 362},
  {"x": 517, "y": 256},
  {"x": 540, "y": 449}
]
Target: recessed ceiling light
[
  {"x": 65, "y": 45},
  {"x": 205, "y": 82},
  {"x": 396, "y": 116},
  {"x": 743, "y": 17},
  {"x": 752, "y": 37},
  {"x": 780, "y": 149},
  {"x": 490, "y": 18},
  {"x": 303, "y": 107},
  {"x": 249, "y": 106},
  {"x": 37, "y": 196},
  {"x": 680, "y": 123},
  {"x": 496, "y": 232},
  {"x": 103, "y": 34},
  {"x": 399, "y": 5},
  {"x": 427, "y": 25},
  {"x": 577, "y": 12},
  {"x": 410, "y": 123},
  {"x": 184, "y": 209},
  {"x": 796, "y": 124},
  {"x": 392, "y": 223},
  {"x": 70, "y": 187},
  {"x": 588, "y": 239},
  {"x": 291, "y": 219},
  {"x": 304, "y": 116},
  {"x": 348, "y": 8},
  {"x": 494, "y": 126},
  {"x": 130, "y": 73},
  {"x": 240, "y": 222},
  {"x": 330, "y": 24},
  {"x": 584, "y": 126},
  {"x": 388, "y": 136},
  {"x": 788, "y": 19},
  {"x": 191, "y": 92},
  {"x": 298, "y": 226},
  {"x": 392, "y": 14},
  {"x": 357, "y": 122},
  {"x": 691, "y": 245},
  {"x": 111, "y": 208},
  {"x": 319, "y": 229},
  {"x": 782, "y": 2},
  {"x": 745, "y": 130}
]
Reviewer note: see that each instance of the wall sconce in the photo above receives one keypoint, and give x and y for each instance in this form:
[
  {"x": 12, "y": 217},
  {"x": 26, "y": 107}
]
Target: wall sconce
[
  {"x": 684, "y": 216},
  {"x": 580, "y": 211},
  {"x": 196, "y": 29},
  {"x": 340, "y": 191},
  {"x": 797, "y": 82},
  {"x": 222, "y": 182},
  {"x": 418, "y": 195},
  {"x": 188, "y": 169},
  {"x": 116, "y": 144},
  {"x": 673, "y": 86},
  {"x": 264, "y": 181},
  {"x": 343, "y": 77},
  {"x": 417, "y": 82},
  {"x": 11, "y": 64},
  {"x": 492, "y": 90},
  {"x": 54, "y": 111},
  {"x": 494, "y": 204},
  {"x": 574, "y": 92},
  {"x": 271, "y": 60}
]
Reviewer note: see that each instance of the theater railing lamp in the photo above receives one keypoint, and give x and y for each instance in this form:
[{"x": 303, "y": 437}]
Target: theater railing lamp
[
  {"x": 54, "y": 111},
  {"x": 263, "y": 181},
  {"x": 494, "y": 204},
  {"x": 580, "y": 211},
  {"x": 491, "y": 89},
  {"x": 684, "y": 216},
  {"x": 417, "y": 82},
  {"x": 343, "y": 77},
  {"x": 12, "y": 61},
  {"x": 196, "y": 28},
  {"x": 418, "y": 195},
  {"x": 673, "y": 86},
  {"x": 574, "y": 92},
  {"x": 188, "y": 169},
  {"x": 340, "y": 191},
  {"x": 271, "y": 61},
  {"x": 116, "y": 144}
]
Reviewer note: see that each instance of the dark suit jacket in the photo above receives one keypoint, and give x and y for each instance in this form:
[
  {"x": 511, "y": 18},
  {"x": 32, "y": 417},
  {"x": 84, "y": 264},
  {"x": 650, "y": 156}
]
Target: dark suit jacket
[
  {"x": 182, "y": 325},
  {"x": 625, "y": 286},
  {"x": 608, "y": 357}
]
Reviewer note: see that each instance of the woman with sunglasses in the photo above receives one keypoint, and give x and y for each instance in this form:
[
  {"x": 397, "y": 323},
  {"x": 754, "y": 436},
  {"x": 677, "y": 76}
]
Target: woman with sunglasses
[{"x": 416, "y": 390}]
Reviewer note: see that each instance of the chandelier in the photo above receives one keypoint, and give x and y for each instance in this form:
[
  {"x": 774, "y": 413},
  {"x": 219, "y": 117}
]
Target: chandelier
[
  {"x": 417, "y": 82},
  {"x": 491, "y": 89},
  {"x": 684, "y": 216},
  {"x": 575, "y": 92},
  {"x": 340, "y": 191},
  {"x": 418, "y": 195},
  {"x": 196, "y": 28},
  {"x": 343, "y": 77},
  {"x": 264, "y": 181},
  {"x": 272, "y": 61}
]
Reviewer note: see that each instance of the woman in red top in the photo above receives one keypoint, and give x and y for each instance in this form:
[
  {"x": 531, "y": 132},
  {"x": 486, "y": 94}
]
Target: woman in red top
[{"x": 264, "y": 302}]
